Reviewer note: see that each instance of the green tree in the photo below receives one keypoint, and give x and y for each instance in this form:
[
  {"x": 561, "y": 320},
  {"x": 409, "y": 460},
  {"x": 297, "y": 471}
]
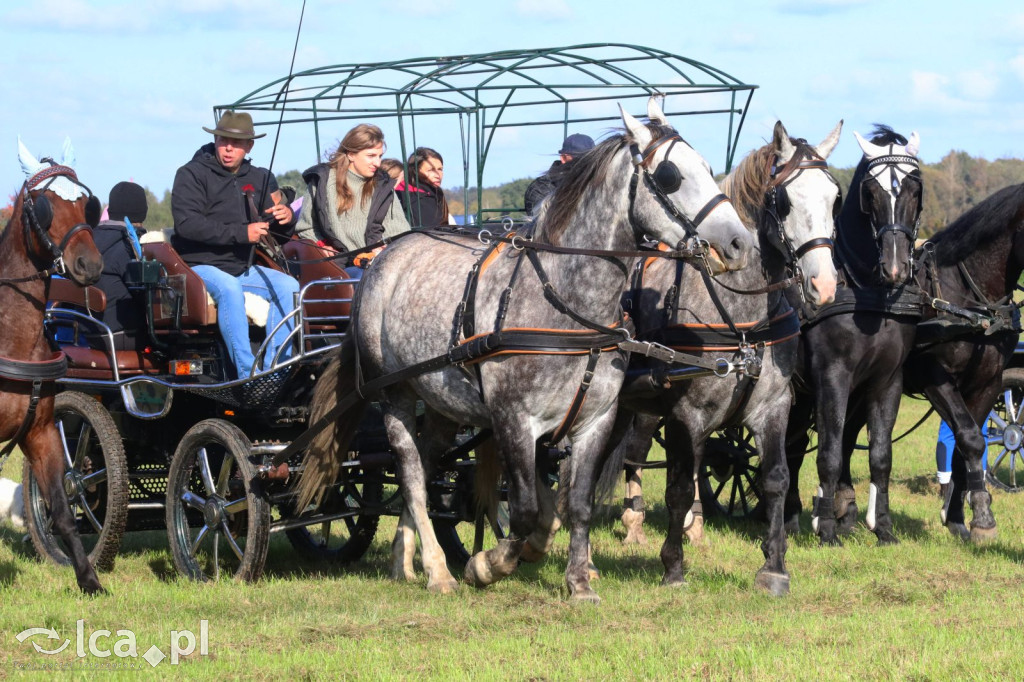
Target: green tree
[{"x": 158, "y": 213}]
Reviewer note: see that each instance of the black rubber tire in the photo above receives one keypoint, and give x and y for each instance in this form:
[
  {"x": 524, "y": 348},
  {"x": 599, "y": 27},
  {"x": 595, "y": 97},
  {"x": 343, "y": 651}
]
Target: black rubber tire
[
  {"x": 317, "y": 543},
  {"x": 95, "y": 481},
  {"x": 223, "y": 508},
  {"x": 1006, "y": 440},
  {"x": 729, "y": 478},
  {"x": 455, "y": 550}
]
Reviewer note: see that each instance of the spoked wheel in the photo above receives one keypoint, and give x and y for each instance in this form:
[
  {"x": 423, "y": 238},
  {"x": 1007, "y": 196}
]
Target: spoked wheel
[
  {"x": 730, "y": 475},
  {"x": 346, "y": 539},
  {"x": 1006, "y": 435},
  {"x": 453, "y": 494},
  {"x": 218, "y": 521},
  {"x": 95, "y": 483}
]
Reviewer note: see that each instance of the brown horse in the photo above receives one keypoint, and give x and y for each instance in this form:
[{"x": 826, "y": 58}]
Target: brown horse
[{"x": 48, "y": 233}]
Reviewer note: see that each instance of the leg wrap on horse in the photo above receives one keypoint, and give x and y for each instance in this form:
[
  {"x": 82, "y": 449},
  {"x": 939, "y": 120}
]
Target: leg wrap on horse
[
  {"x": 635, "y": 503},
  {"x": 976, "y": 480}
]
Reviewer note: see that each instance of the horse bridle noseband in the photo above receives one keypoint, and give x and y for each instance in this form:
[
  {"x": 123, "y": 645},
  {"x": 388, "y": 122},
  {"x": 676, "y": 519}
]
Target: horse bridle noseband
[
  {"x": 891, "y": 161},
  {"x": 665, "y": 180},
  {"x": 37, "y": 214}
]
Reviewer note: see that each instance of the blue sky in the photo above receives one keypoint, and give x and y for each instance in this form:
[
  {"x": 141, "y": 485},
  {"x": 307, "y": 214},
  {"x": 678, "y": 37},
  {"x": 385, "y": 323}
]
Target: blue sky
[{"x": 133, "y": 82}]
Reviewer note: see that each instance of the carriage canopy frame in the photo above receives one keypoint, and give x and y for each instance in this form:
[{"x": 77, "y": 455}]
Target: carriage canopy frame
[{"x": 560, "y": 86}]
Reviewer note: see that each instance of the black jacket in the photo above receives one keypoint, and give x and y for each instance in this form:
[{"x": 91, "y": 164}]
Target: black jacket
[
  {"x": 211, "y": 213},
  {"x": 122, "y": 311},
  {"x": 425, "y": 205},
  {"x": 541, "y": 187},
  {"x": 380, "y": 203}
]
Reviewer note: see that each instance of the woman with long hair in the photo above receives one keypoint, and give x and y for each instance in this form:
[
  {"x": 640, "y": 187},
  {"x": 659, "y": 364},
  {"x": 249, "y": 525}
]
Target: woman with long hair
[
  {"x": 422, "y": 196},
  {"x": 351, "y": 198}
]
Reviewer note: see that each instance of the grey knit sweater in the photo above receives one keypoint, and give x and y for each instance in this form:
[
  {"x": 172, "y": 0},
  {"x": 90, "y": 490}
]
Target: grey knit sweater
[{"x": 350, "y": 227}]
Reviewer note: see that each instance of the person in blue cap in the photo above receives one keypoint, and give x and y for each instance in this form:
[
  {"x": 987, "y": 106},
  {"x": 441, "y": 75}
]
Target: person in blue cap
[{"x": 573, "y": 146}]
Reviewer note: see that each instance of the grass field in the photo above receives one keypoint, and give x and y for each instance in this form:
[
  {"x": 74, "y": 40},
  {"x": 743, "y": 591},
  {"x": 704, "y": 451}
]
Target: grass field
[{"x": 930, "y": 608}]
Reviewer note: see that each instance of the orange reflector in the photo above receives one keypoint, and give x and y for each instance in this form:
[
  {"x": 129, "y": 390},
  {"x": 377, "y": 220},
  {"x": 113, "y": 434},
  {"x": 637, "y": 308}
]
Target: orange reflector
[
  {"x": 181, "y": 368},
  {"x": 229, "y": 413}
]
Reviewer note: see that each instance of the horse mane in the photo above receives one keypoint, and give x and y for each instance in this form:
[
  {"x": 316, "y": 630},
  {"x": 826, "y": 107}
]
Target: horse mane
[
  {"x": 589, "y": 169},
  {"x": 747, "y": 183},
  {"x": 983, "y": 223}
]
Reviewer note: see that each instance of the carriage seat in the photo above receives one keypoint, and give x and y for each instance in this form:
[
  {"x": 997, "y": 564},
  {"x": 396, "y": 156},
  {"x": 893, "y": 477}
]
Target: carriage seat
[
  {"x": 333, "y": 300},
  {"x": 198, "y": 308},
  {"x": 64, "y": 292}
]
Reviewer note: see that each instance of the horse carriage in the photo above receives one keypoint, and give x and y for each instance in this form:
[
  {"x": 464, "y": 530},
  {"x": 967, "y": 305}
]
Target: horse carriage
[{"x": 159, "y": 437}]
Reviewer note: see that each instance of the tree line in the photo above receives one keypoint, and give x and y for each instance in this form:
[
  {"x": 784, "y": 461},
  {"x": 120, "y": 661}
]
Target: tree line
[{"x": 951, "y": 186}]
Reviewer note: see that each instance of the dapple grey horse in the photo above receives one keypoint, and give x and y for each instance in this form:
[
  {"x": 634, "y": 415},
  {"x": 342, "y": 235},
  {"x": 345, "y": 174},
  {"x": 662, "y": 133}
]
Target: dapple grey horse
[{"x": 408, "y": 308}]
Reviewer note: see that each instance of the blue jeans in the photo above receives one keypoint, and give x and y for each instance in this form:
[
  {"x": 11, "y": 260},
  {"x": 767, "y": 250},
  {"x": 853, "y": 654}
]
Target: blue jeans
[
  {"x": 946, "y": 444},
  {"x": 227, "y": 290}
]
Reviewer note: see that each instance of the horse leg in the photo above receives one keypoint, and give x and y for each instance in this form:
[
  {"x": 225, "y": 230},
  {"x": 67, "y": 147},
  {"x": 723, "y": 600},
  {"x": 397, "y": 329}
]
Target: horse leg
[
  {"x": 846, "y": 497},
  {"x": 770, "y": 438},
  {"x": 587, "y": 461},
  {"x": 679, "y": 492},
  {"x": 833, "y": 395},
  {"x": 798, "y": 439},
  {"x": 403, "y": 548},
  {"x": 539, "y": 542},
  {"x": 882, "y": 410},
  {"x": 516, "y": 448},
  {"x": 637, "y": 442},
  {"x": 968, "y": 472},
  {"x": 693, "y": 525},
  {"x": 43, "y": 449},
  {"x": 400, "y": 422}
]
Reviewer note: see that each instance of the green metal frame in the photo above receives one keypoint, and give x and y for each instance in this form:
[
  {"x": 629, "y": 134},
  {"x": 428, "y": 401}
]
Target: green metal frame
[{"x": 513, "y": 88}]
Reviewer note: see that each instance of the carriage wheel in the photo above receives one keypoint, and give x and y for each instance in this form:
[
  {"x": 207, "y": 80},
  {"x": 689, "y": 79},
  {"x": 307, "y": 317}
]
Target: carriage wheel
[
  {"x": 218, "y": 520},
  {"x": 1006, "y": 435},
  {"x": 95, "y": 482},
  {"x": 347, "y": 539},
  {"x": 729, "y": 479},
  {"x": 486, "y": 529}
]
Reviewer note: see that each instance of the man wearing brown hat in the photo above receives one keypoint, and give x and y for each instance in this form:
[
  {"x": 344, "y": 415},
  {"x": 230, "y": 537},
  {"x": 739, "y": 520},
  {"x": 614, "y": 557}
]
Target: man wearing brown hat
[{"x": 222, "y": 205}]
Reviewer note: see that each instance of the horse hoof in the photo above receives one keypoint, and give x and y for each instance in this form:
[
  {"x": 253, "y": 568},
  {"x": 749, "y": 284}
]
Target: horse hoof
[
  {"x": 585, "y": 596},
  {"x": 959, "y": 531},
  {"x": 831, "y": 541},
  {"x": 775, "y": 584},
  {"x": 674, "y": 581},
  {"x": 886, "y": 539},
  {"x": 447, "y": 586},
  {"x": 531, "y": 555},
  {"x": 94, "y": 590},
  {"x": 478, "y": 571},
  {"x": 981, "y": 535},
  {"x": 635, "y": 537}
]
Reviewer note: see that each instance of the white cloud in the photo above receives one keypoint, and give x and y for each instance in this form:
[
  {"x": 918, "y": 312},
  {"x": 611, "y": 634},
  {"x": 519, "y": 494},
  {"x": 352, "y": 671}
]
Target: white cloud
[
  {"x": 936, "y": 92},
  {"x": 544, "y": 9},
  {"x": 81, "y": 15},
  {"x": 978, "y": 84},
  {"x": 1017, "y": 66},
  {"x": 819, "y": 7}
]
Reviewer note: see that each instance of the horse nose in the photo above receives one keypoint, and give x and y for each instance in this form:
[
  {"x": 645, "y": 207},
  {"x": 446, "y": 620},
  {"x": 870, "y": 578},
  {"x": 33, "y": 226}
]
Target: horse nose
[
  {"x": 737, "y": 252},
  {"x": 825, "y": 287},
  {"x": 90, "y": 269}
]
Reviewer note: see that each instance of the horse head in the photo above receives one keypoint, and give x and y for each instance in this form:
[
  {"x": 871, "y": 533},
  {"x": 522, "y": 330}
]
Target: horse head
[
  {"x": 889, "y": 191},
  {"x": 58, "y": 213},
  {"x": 681, "y": 200},
  {"x": 800, "y": 209}
]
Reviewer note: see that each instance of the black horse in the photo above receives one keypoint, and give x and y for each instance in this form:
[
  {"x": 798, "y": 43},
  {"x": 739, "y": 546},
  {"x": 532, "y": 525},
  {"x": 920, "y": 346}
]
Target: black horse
[
  {"x": 854, "y": 349},
  {"x": 970, "y": 273}
]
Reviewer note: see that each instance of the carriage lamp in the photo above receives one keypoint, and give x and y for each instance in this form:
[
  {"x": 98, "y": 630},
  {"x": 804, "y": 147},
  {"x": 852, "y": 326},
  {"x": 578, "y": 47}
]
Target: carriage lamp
[{"x": 183, "y": 368}]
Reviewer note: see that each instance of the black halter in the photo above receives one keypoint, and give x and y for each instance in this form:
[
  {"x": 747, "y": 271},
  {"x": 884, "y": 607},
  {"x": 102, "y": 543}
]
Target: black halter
[
  {"x": 37, "y": 215},
  {"x": 665, "y": 180}
]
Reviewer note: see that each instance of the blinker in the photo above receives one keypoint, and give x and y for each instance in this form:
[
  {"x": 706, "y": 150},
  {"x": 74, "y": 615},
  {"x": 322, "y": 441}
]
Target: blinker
[
  {"x": 43, "y": 211},
  {"x": 93, "y": 211}
]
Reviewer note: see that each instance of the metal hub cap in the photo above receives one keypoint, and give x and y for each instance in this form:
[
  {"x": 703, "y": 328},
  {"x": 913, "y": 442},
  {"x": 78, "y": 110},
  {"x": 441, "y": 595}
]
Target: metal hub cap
[
  {"x": 72, "y": 484},
  {"x": 212, "y": 512},
  {"x": 1012, "y": 437}
]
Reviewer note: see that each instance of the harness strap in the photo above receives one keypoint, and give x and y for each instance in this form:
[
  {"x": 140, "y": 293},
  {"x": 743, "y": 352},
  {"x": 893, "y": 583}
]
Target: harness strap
[
  {"x": 35, "y": 370},
  {"x": 577, "y": 402},
  {"x": 26, "y": 423}
]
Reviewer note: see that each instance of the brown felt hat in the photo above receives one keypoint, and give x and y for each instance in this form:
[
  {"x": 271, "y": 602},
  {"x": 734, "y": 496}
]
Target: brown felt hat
[{"x": 236, "y": 125}]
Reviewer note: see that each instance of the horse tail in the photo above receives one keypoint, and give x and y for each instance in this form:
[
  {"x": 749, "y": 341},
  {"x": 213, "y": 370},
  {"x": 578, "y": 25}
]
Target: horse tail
[
  {"x": 322, "y": 461},
  {"x": 488, "y": 472},
  {"x": 632, "y": 446}
]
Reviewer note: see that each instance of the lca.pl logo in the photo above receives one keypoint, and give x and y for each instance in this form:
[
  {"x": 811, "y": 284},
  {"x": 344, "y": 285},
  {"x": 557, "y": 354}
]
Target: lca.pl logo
[{"x": 98, "y": 644}]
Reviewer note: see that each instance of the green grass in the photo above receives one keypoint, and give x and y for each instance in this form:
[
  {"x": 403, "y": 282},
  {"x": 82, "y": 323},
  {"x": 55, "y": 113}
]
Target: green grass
[{"x": 929, "y": 608}]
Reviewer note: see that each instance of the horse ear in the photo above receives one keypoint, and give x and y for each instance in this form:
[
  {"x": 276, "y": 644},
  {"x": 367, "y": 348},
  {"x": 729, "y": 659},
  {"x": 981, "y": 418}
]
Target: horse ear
[
  {"x": 829, "y": 143},
  {"x": 29, "y": 164},
  {"x": 43, "y": 210},
  {"x": 67, "y": 155},
  {"x": 784, "y": 149},
  {"x": 93, "y": 210},
  {"x": 654, "y": 112},
  {"x": 914, "y": 145},
  {"x": 637, "y": 130},
  {"x": 870, "y": 150}
]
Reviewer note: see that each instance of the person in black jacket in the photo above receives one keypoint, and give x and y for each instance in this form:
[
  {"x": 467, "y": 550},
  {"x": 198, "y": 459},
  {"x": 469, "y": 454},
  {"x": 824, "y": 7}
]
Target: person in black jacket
[
  {"x": 422, "y": 197},
  {"x": 573, "y": 146},
  {"x": 126, "y": 211},
  {"x": 222, "y": 207}
]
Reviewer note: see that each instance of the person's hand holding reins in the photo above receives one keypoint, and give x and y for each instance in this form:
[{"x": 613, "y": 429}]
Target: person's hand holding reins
[{"x": 257, "y": 230}]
